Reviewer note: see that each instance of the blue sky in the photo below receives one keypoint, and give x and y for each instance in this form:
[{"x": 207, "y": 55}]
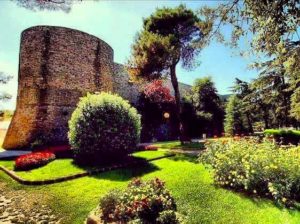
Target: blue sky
[{"x": 115, "y": 22}]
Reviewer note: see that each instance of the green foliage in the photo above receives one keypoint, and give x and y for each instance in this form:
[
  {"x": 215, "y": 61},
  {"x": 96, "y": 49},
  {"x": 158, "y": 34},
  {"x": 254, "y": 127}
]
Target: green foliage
[
  {"x": 281, "y": 132},
  {"x": 168, "y": 217},
  {"x": 141, "y": 202},
  {"x": 169, "y": 36},
  {"x": 284, "y": 136},
  {"x": 176, "y": 144},
  {"x": 208, "y": 105},
  {"x": 271, "y": 30},
  {"x": 259, "y": 168},
  {"x": 295, "y": 106},
  {"x": 108, "y": 204},
  {"x": 103, "y": 127},
  {"x": 195, "y": 194},
  {"x": 244, "y": 93},
  {"x": 234, "y": 120}
]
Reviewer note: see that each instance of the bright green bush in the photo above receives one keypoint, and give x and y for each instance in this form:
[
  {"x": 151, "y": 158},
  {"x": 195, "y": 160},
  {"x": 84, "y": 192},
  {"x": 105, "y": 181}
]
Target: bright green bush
[
  {"x": 141, "y": 202},
  {"x": 103, "y": 128},
  {"x": 259, "y": 168},
  {"x": 284, "y": 136},
  {"x": 282, "y": 132}
]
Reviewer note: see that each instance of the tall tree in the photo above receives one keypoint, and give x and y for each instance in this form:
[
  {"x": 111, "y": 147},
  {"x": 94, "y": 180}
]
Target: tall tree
[
  {"x": 234, "y": 123},
  {"x": 243, "y": 92},
  {"x": 168, "y": 37},
  {"x": 276, "y": 93},
  {"x": 295, "y": 111},
  {"x": 271, "y": 27},
  {"x": 207, "y": 104}
]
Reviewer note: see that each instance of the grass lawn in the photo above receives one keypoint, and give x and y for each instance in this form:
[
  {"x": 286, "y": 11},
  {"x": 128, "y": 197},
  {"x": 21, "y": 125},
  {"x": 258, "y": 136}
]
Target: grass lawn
[
  {"x": 190, "y": 183},
  {"x": 187, "y": 146},
  {"x": 177, "y": 144}
]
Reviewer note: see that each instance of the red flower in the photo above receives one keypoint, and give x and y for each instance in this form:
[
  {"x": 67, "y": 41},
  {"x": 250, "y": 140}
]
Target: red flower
[
  {"x": 33, "y": 160},
  {"x": 151, "y": 147},
  {"x": 157, "y": 93}
]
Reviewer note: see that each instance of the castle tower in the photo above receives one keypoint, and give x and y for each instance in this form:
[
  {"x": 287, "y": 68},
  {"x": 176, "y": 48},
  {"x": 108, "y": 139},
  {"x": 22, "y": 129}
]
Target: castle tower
[{"x": 56, "y": 66}]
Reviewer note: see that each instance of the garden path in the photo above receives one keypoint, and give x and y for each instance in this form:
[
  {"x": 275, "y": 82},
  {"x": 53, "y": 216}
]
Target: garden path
[
  {"x": 17, "y": 206},
  {"x": 8, "y": 154}
]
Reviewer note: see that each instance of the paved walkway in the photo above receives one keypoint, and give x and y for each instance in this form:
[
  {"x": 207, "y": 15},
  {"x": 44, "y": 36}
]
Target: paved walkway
[
  {"x": 19, "y": 206},
  {"x": 10, "y": 154}
]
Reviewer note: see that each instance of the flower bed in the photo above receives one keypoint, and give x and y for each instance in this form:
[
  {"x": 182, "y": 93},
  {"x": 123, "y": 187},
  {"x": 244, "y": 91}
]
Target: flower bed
[
  {"x": 141, "y": 202},
  {"x": 33, "y": 160},
  {"x": 259, "y": 168}
]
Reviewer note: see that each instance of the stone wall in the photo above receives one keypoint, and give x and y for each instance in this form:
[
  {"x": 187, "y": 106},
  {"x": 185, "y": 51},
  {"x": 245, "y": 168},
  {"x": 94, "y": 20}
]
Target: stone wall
[
  {"x": 58, "y": 65},
  {"x": 131, "y": 91},
  {"x": 123, "y": 86}
]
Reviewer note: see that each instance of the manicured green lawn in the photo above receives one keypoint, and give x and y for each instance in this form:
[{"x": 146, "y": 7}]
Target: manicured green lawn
[
  {"x": 190, "y": 183},
  {"x": 177, "y": 144},
  {"x": 64, "y": 167}
]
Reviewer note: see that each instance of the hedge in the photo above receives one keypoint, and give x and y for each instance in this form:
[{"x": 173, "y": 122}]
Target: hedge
[{"x": 287, "y": 136}]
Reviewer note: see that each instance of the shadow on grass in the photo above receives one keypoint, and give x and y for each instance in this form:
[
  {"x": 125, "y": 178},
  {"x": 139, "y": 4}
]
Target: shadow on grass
[
  {"x": 131, "y": 167},
  {"x": 184, "y": 157},
  {"x": 127, "y": 173}
]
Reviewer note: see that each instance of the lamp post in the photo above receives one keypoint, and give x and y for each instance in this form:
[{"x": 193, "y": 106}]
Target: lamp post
[{"x": 166, "y": 115}]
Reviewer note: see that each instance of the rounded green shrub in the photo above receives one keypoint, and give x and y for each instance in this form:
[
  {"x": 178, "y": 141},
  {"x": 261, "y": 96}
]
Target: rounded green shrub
[{"x": 103, "y": 128}]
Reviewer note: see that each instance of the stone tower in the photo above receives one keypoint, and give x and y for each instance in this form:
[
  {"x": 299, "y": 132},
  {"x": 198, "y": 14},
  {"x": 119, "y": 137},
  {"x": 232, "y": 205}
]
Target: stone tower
[{"x": 56, "y": 66}]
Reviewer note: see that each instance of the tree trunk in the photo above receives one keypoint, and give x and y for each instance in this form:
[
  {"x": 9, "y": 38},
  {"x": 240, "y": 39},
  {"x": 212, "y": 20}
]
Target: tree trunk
[
  {"x": 249, "y": 123},
  {"x": 266, "y": 119},
  {"x": 178, "y": 102},
  {"x": 286, "y": 104},
  {"x": 265, "y": 115}
]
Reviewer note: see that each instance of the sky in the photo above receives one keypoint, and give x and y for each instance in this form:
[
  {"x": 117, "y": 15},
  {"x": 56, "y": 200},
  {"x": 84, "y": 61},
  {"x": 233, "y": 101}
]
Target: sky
[{"x": 115, "y": 22}]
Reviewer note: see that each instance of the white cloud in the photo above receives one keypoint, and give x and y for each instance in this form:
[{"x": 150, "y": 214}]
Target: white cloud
[{"x": 11, "y": 87}]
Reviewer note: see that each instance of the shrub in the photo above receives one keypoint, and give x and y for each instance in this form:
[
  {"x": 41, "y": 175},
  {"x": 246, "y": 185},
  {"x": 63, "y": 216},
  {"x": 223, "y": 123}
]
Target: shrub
[
  {"x": 141, "y": 202},
  {"x": 33, "y": 160},
  {"x": 259, "y": 168},
  {"x": 168, "y": 216},
  {"x": 284, "y": 136},
  {"x": 103, "y": 127}
]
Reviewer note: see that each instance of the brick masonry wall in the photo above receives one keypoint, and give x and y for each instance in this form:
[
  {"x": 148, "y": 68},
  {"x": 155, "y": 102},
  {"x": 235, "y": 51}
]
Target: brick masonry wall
[
  {"x": 123, "y": 86},
  {"x": 131, "y": 91},
  {"x": 57, "y": 66}
]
